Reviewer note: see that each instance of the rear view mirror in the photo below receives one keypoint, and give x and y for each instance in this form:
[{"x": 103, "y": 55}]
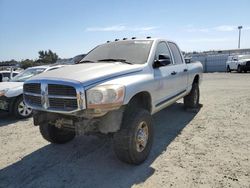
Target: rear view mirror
[{"x": 163, "y": 60}]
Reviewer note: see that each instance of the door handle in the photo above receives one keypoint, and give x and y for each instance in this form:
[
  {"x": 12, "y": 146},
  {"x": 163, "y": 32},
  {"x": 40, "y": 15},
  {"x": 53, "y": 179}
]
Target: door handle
[
  {"x": 185, "y": 70},
  {"x": 173, "y": 73}
]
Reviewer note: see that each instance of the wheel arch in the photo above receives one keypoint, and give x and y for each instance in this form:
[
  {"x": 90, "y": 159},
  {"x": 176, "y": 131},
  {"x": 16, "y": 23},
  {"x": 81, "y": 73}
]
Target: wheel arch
[
  {"x": 196, "y": 79},
  {"x": 142, "y": 99}
]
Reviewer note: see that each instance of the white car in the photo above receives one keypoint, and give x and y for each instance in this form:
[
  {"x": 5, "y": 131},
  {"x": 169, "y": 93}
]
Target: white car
[
  {"x": 238, "y": 63},
  {"x": 6, "y": 75},
  {"x": 11, "y": 93}
]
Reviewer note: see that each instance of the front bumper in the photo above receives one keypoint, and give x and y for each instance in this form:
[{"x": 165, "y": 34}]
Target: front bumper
[{"x": 5, "y": 103}]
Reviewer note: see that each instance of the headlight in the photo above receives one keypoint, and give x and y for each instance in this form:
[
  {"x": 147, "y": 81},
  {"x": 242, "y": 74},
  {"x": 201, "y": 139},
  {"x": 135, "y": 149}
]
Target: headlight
[
  {"x": 2, "y": 92},
  {"x": 105, "y": 96}
]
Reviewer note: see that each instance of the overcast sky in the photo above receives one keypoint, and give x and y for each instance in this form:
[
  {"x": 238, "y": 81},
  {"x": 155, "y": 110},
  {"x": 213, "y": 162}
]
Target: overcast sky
[{"x": 73, "y": 27}]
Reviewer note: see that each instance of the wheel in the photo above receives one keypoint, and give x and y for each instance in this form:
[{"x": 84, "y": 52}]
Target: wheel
[
  {"x": 239, "y": 69},
  {"x": 56, "y": 135},
  {"x": 245, "y": 71},
  {"x": 228, "y": 69},
  {"x": 133, "y": 142},
  {"x": 193, "y": 98},
  {"x": 20, "y": 110}
]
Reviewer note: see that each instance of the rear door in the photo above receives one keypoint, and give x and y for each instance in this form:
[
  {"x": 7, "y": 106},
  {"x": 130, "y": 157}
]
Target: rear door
[
  {"x": 181, "y": 76},
  {"x": 164, "y": 80}
]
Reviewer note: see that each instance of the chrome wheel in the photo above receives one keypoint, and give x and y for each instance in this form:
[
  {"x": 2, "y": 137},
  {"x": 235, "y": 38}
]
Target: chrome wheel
[
  {"x": 141, "y": 136},
  {"x": 24, "y": 110}
]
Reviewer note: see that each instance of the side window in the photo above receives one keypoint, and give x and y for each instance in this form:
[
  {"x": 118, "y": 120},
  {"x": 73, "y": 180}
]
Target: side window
[
  {"x": 162, "y": 48},
  {"x": 176, "y": 53},
  {"x": 6, "y": 75}
]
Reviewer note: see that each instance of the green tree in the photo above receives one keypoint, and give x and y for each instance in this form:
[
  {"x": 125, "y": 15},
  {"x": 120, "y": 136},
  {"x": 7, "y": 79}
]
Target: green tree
[
  {"x": 27, "y": 63},
  {"x": 47, "y": 57}
]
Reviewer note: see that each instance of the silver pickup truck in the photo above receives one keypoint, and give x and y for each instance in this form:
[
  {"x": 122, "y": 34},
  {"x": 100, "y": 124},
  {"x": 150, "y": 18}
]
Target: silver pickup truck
[{"x": 115, "y": 90}]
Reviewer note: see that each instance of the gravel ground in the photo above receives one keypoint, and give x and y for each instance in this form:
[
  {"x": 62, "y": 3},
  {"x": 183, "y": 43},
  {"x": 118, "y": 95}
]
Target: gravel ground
[{"x": 209, "y": 148}]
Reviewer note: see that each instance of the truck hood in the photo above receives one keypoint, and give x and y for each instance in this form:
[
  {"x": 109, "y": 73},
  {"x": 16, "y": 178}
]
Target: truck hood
[
  {"x": 89, "y": 73},
  {"x": 244, "y": 60}
]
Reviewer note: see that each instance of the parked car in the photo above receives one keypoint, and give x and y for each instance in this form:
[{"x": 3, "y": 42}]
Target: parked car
[
  {"x": 6, "y": 75},
  {"x": 11, "y": 93},
  {"x": 70, "y": 61},
  {"x": 238, "y": 63},
  {"x": 114, "y": 91}
]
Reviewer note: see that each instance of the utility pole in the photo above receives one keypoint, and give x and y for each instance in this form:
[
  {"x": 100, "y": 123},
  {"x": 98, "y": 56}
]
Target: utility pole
[{"x": 239, "y": 27}]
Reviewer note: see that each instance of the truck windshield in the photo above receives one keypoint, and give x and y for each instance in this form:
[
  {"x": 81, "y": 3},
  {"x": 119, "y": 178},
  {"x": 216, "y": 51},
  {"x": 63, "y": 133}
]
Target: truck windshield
[
  {"x": 26, "y": 74},
  {"x": 132, "y": 52}
]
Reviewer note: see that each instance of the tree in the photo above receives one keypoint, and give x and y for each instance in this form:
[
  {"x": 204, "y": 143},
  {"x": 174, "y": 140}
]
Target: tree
[
  {"x": 27, "y": 63},
  {"x": 47, "y": 57}
]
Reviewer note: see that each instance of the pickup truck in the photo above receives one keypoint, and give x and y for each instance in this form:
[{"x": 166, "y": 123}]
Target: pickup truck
[
  {"x": 239, "y": 63},
  {"x": 115, "y": 90}
]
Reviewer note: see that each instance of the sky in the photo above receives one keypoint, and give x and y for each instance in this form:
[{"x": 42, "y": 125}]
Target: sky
[{"x": 74, "y": 27}]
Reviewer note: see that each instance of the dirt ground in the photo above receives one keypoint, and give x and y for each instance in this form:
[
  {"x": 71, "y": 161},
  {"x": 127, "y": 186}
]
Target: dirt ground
[{"x": 210, "y": 148}]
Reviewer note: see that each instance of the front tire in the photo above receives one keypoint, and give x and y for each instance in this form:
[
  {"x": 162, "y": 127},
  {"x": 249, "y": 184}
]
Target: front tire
[
  {"x": 20, "y": 109},
  {"x": 193, "y": 98},
  {"x": 56, "y": 135},
  {"x": 133, "y": 142}
]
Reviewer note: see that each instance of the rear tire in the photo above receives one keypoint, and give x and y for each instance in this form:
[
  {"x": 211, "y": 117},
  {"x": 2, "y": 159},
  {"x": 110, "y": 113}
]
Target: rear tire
[
  {"x": 55, "y": 135},
  {"x": 228, "y": 69},
  {"x": 193, "y": 98},
  {"x": 133, "y": 142}
]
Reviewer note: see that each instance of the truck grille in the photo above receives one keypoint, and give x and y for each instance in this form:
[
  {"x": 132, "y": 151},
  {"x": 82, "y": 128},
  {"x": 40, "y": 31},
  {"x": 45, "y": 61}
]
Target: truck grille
[
  {"x": 53, "y": 97},
  {"x": 55, "y": 89},
  {"x": 33, "y": 88},
  {"x": 33, "y": 100},
  {"x": 68, "y": 104}
]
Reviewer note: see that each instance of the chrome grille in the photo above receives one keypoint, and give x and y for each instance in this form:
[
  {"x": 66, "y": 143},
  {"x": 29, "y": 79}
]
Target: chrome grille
[
  {"x": 68, "y": 104},
  {"x": 62, "y": 90},
  {"x": 33, "y": 88},
  {"x": 55, "y": 96},
  {"x": 35, "y": 100}
]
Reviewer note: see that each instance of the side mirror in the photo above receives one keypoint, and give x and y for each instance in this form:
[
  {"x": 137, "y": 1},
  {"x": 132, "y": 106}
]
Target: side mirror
[
  {"x": 163, "y": 60},
  {"x": 187, "y": 60},
  {"x": 5, "y": 79}
]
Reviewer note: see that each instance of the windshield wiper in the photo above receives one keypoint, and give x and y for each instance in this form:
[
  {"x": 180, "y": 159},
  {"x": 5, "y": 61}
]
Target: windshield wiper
[
  {"x": 85, "y": 61},
  {"x": 116, "y": 60}
]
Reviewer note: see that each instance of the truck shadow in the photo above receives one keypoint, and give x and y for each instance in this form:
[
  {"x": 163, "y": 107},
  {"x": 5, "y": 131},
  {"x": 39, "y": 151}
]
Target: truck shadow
[{"x": 90, "y": 161}]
